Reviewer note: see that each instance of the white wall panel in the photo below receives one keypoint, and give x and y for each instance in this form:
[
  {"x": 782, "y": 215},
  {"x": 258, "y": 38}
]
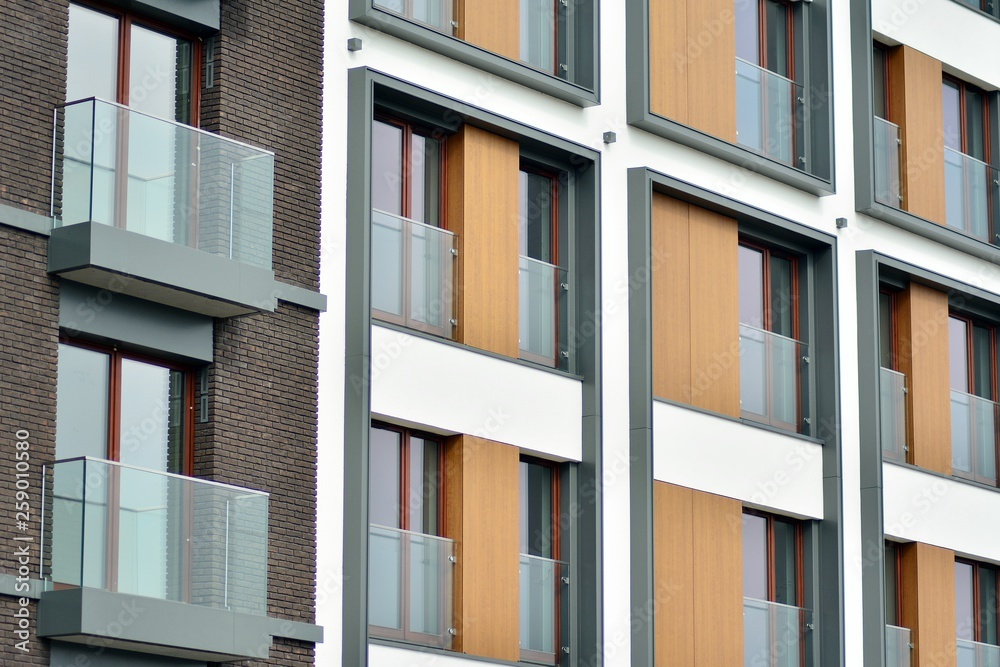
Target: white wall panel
[{"x": 390, "y": 656}]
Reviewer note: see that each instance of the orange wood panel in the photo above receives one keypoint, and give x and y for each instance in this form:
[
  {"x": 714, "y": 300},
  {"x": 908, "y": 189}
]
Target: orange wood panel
[
  {"x": 927, "y": 596},
  {"x": 671, "y": 286},
  {"x": 922, "y": 324},
  {"x": 673, "y": 549},
  {"x": 718, "y": 580},
  {"x": 491, "y": 24},
  {"x": 668, "y": 78},
  {"x": 482, "y": 202},
  {"x": 715, "y": 360},
  {"x": 481, "y": 480},
  {"x": 711, "y": 67},
  {"x": 915, "y": 101}
]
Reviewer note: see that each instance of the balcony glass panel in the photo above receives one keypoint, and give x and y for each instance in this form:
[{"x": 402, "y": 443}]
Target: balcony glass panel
[
  {"x": 973, "y": 437},
  {"x": 409, "y": 586},
  {"x": 169, "y": 181},
  {"x": 434, "y": 13},
  {"x": 155, "y": 534},
  {"x": 772, "y": 375},
  {"x": 892, "y": 399},
  {"x": 412, "y": 273},
  {"x": 970, "y": 194},
  {"x": 887, "y": 160},
  {"x": 769, "y": 109},
  {"x": 538, "y": 34},
  {"x": 541, "y": 590},
  {"x": 774, "y": 634},
  {"x": 542, "y": 309},
  {"x": 897, "y": 646},
  {"x": 974, "y": 654}
]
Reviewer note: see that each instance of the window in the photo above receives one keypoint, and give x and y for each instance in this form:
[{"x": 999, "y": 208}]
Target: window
[
  {"x": 771, "y": 357},
  {"x": 410, "y": 566},
  {"x": 892, "y": 383},
  {"x": 541, "y": 570},
  {"x": 976, "y": 603},
  {"x": 541, "y": 35},
  {"x": 888, "y": 142},
  {"x": 897, "y": 639},
  {"x": 768, "y": 101},
  {"x": 988, "y": 6},
  {"x": 972, "y": 362},
  {"x": 543, "y": 282},
  {"x": 412, "y": 258},
  {"x": 114, "y": 406},
  {"x": 969, "y": 178},
  {"x": 124, "y": 59},
  {"x": 774, "y": 622}
]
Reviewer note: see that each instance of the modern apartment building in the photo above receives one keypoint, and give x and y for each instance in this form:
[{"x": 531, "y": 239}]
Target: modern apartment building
[
  {"x": 159, "y": 215},
  {"x": 669, "y": 331}
]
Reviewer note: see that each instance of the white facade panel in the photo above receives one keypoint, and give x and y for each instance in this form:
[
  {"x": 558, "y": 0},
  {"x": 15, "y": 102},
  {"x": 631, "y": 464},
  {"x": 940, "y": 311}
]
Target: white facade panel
[
  {"x": 391, "y": 656},
  {"x": 454, "y": 390},
  {"x": 728, "y": 458}
]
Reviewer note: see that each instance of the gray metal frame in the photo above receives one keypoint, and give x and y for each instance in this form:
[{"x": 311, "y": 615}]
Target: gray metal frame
[
  {"x": 825, "y": 537},
  {"x": 816, "y": 58},
  {"x": 366, "y": 89},
  {"x": 583, "y": 53}
]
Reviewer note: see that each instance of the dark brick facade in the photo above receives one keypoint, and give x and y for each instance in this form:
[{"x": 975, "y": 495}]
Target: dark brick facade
[{"x": 262, "y": 420}]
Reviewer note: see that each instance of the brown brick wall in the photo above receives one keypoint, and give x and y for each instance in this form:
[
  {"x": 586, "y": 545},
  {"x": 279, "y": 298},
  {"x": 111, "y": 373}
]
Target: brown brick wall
[{"x": 32, "y": 83}]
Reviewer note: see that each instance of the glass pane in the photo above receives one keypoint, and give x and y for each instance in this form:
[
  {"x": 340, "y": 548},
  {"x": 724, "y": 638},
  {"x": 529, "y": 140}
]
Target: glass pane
[
  {"x": 777, "y": 37},
  {"x": 152, "y": 534},
  {"x": 963, "y": 428},
  {"x": 425, "y": 479},
  {"x": 785, "y": 563},
  {"x": 82, "y": 403},
  {"x": 539, "y": 307},
  {"x": 987, "y": 605},
  {"x": 383, "y": 485},
  {"x": 754, "y": 371},
  {"x": 160, "y": 75},
  {"x": 536, "y": 218},
  {"x": 965, "y": 614},
  {"x": 152, "y": 417},
  {"x": 891, "y": 595},
  {"x": 952, "y": 116},
  {"x": 536, "y": 510},
  {"x": 958, "y": 354},
  {"x": 747, "y": 33},
  {"x": 540, "y": 581},
  {"x": 975, "y": 124},
  {"x": 879, "y": 68},
  {"x": 387, "y": 167},
  {"x": 385, "y": 589},
  {"x": 92, "y": 62},
  {"x": 538, "y": 32},
  {"x": 885, "y": 330},
  {"x": 773, "y": 635},
  {"x": 79, "y": 524},
  {"x": 755, "y": 557},
  {"x": 425, "y": 180},
  {"x": 387, "y": 262},
  {"x": 428, "y": 558},
  {"x": 751, "y": 271},
  {"x": 782, "y": 305},
  {"x": 982, "y": 362}
]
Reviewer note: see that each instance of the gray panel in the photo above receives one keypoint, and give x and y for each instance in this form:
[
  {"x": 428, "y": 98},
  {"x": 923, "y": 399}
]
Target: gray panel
[
  {"x": 200, "y": 16},
  {"x": 9, "y": 585},
  {"x": 137, "y": 265},
  {"x": 146, "y": 325},
  {"x": 300, "y": 296},
  {"x": 73, "y": 655},
  {"x": 26, "y": 220}
]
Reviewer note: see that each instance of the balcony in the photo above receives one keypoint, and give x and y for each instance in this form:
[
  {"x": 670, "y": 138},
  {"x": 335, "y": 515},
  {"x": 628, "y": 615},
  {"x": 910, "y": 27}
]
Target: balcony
[
  {"x": 436, "y": 14},
  {"x": 898, "y": 647},
  {"x": 189, "y": 552},
  {"x": 888, "y": 148},
  {"x": 970, "y": 194},
  {"x": 775, "y": 634},
  {"x": 974, "y": 654},
  {"x": 769, "y": 109},
  {"x": 184, "y": 215},
  {"x": 973, "y": 437},
  {"x": 409, "y": 586},
  {"x": 892, "y": 399},
  {"x": 413, "y": 268},
  {"x": 544, "y": 584},
  {"x": 773, "y": 372},
  {"x": 542, "y": 310}
]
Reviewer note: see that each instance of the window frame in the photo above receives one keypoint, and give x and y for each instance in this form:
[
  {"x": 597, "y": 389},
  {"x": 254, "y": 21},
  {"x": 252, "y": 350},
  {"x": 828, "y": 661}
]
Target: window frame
[
  {"x": 893, "y": 326},
  {"x": 800, "y": 582},
  {"x": 878, "y": 47},
  {"x": 970, "y": 324},
  {"x": 977, "y": 610},
  {"x": 964, "y": 88}
]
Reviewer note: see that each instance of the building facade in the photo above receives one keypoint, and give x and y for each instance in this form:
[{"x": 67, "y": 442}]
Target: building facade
[
  {"x": 159, "y": 207},
  {"x": 669, "y": 333}
]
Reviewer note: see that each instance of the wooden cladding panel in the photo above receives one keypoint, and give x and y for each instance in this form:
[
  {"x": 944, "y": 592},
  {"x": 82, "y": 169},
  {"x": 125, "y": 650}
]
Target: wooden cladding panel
[
  {"x": 481, "y": 499},
  {"x": 695, "y": 306},
  {"x": 693, "y": 64},
  {"x": 698, "y": 551},
  {"x": 482, "y": 201},
  {"x": 915, "y": 105},
  {"x": 927, "y": 595},
  {"x": 922, "y": 326},
  {"x": 492, "y": 24}
]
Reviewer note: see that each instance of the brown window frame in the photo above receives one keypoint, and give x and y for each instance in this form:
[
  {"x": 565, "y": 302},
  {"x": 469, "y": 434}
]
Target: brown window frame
[
  {"x": 897, "y": 569},
  {"x": 884, "y": 50},
  {"x": 556, "y": 542},
  {"x": 976, "y": 601},
  {"x": 893, "y": 326},
  {"x": 964, "y": 88},
  {"x": 404, "y": 634},
  {"x": 970, "y": 323}
]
